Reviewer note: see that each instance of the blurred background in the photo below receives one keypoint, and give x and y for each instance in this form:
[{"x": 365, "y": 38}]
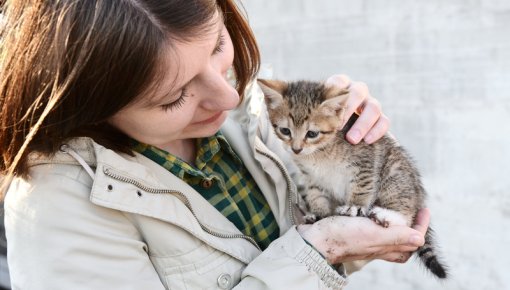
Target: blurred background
[{"x": 441, "y": 70}]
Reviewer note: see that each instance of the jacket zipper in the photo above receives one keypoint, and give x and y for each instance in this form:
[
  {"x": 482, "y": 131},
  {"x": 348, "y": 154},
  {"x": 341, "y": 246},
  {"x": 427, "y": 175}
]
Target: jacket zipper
[
  {"x": 184, "y": 199},
  {"x": 289, "y": 186}
]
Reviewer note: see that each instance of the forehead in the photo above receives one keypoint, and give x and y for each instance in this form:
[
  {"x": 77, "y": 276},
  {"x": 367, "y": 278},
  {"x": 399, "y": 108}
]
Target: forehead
[{"x": 181, "y": 59}]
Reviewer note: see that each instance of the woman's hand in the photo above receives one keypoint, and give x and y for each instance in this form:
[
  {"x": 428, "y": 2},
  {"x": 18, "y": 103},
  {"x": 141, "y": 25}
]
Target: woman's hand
[
  {"x": 372, "y": 123},
  {"x": 344, "y": 239}
]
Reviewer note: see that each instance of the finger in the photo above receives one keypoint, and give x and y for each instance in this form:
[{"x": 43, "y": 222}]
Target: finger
[
  {"x": 402, "y": 248},
  {"x": 394, "y": 238},
  {"x": 369, "y": 116},
  {"x": 340, "y": 81},
  {"x": 397, "y": 257},
  {"x": 378, "y": 130},
  {"x": 383, "y": 250},
  {"x": 422, "y": 220},
  {"x": 358, "y": 93},
  {"x": 392, "y": 254}
]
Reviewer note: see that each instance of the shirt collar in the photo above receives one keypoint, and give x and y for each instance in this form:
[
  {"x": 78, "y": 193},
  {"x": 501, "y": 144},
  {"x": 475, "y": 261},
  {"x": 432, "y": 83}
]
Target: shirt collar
[{"x": 207, "y": 148}]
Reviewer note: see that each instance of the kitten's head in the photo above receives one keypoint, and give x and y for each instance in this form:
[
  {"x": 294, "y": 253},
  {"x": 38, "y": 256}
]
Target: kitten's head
[{"x": 305, "y": 115}]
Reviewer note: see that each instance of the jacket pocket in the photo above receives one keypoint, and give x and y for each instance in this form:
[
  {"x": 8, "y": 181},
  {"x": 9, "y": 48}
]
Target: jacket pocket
[{"x": 206, "y": 268}]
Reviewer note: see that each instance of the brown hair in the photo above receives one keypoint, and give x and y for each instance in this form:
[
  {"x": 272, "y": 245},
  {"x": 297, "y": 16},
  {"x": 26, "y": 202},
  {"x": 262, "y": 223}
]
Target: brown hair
[{"x": 67, "y": 66}]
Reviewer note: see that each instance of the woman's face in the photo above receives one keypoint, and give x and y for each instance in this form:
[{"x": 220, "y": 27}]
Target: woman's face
[{"x": 193, "y": 99}]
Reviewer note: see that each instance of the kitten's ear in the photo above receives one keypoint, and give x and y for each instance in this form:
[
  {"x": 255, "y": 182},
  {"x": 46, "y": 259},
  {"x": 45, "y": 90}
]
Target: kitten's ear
[
  {"x": 334, "y": 106},
  {"x": 333, "y": 91},
  {"x": 273, "y": 91}
]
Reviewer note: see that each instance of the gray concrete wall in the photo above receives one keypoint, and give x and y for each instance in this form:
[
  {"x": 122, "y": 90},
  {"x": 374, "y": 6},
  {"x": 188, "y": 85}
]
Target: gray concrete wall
[{"x": 441, "y": 69}]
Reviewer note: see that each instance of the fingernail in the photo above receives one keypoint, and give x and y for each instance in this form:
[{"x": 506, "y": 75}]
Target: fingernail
[
  {"x": 415, "y": 240},
  {"x": 354, "y": 135}
]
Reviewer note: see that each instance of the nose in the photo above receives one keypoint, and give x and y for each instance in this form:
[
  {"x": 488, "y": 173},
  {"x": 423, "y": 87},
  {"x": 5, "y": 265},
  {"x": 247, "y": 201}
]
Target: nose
[
  {"x": 297, "y": 150},
  {"x": 221, "y": 95}
]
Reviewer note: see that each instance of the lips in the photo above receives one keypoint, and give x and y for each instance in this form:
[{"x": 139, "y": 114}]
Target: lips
[{"x": 210, "y": 120}]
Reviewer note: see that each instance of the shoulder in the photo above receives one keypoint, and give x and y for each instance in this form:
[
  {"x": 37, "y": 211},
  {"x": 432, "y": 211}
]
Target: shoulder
[
  {"x": 52, "y": 227},
  {"x": 53, "y": 197},
  {"x": 55, "y": 176},
  {"x": 57, "y": 191}
]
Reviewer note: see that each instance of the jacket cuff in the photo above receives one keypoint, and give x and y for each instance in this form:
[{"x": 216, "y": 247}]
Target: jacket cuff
[
  {"x": 315, "y": 262},
  {"x": 289, "y": 263}
]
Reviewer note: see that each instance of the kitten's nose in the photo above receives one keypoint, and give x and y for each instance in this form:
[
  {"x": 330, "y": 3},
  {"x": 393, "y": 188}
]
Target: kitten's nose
[{"x": 297, "y": 150}]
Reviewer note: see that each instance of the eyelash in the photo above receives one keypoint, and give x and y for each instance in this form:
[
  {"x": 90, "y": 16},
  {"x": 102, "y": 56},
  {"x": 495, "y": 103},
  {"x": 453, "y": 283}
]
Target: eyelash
[
  {"x": 221, "y": 45},
  {"x": 177, "y": 103}
]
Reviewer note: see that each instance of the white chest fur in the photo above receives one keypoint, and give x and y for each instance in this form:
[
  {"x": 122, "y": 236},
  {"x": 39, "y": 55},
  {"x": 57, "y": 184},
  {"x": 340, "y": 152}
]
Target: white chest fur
[{"x": 332, "y": 175}]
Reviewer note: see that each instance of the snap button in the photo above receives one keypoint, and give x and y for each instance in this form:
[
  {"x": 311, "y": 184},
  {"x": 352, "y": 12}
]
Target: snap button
[
  {"x": 206, "y": 183},
  {"x": 224, "y": 281},
  {"x": 64, "y": 148}
]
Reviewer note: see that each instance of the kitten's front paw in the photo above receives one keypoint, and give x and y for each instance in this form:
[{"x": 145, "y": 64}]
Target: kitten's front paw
[
  {"x": 386, "y": 217},
  {"x": 310, "y": 218},
  {"x": 351, "y": 210},
  {"x": 320, "y": 208}
]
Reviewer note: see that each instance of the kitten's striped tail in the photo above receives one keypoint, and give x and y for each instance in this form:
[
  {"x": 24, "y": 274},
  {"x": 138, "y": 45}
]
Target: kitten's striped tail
[{"x": 427, "y": 254}]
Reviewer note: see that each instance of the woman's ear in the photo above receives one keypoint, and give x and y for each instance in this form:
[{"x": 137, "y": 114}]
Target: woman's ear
[{"x": 273, "y": 90}]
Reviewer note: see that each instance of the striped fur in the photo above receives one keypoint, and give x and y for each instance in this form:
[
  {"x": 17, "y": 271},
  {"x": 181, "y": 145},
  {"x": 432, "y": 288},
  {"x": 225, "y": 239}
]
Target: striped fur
[{"x": 379, "y": 181}]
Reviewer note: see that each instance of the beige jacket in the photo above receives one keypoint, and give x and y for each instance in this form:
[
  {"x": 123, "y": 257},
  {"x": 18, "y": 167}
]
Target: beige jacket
[{"x": 121, "y": 222}]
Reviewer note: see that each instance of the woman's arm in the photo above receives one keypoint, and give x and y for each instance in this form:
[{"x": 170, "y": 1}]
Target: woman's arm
[
  {"x": 344, "y": 239},
  {"x": 291, "y": 263}
]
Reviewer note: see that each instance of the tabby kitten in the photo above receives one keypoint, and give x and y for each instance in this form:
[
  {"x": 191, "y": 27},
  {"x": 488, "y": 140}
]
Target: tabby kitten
[{"x": 377, "y": 181}]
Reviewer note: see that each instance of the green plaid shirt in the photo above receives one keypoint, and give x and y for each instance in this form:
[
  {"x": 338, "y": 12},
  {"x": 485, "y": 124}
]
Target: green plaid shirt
[{"x": 221, "y": 178}]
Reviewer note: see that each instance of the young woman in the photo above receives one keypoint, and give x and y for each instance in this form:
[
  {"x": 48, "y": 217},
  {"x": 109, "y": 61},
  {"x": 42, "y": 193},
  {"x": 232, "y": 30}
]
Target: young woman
[{"x": 132, "y": 163}]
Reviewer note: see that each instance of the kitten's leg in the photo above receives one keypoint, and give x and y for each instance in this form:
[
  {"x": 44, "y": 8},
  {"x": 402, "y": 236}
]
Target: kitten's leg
[
  {"x": 400, "y": 194},
  {"x": 392, "y": 206},
  {"x": 319, "y": 204},
  {"x": 360, "y": 195},
  {"x": 351, "y": 210},
  {"x": 386, "y": 217}
]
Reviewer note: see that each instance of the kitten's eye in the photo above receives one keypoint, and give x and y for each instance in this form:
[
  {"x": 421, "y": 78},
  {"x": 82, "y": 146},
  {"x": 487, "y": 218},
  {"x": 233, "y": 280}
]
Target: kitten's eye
[
  {"x": 285, "y": 131},
  {"x": 312, "y": 134}
]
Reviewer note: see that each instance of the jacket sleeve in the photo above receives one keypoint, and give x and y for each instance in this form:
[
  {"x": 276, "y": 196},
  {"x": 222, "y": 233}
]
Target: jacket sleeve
[
  {"x": 49, "y": 248},
  {"x": 290, "y": 263}
]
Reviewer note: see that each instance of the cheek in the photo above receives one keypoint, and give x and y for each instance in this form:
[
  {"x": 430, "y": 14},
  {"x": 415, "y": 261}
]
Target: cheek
[
  {"x": 130, "y": 124},
  {"x": 150, "y": 126},
  {"x": 121, "y": 122},
  {"x": 163, "y": 124}
]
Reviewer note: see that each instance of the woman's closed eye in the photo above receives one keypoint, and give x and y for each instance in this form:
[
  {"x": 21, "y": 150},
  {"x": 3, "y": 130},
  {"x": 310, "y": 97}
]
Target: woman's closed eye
[
  {"x": 219, "y": 45},
  {"x": 177, "y": 103}
]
